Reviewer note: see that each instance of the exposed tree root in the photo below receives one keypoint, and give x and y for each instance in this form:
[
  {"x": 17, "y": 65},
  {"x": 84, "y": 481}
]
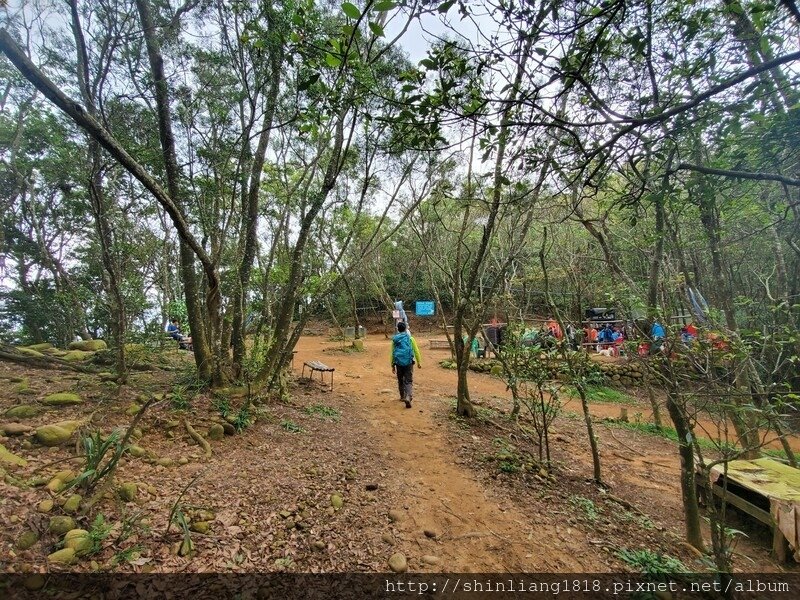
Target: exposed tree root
[{"x": 201, "y": 441}]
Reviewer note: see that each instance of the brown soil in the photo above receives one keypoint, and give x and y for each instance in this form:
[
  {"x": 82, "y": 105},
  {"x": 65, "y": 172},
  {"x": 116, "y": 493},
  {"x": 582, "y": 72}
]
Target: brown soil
[
  {"x": 270, "y": 487},
  {"x": 493, "y": 520}
]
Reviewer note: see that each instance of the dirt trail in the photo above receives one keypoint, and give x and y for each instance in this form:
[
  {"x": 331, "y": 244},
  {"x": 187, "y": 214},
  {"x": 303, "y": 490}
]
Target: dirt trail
[{"x": 477, "y": 531}]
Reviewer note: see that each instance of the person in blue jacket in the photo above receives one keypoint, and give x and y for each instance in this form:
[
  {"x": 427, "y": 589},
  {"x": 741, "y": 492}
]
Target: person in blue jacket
[
  {"x": 657, "y": 331},
  {"x": 658, "y": 335},
  {"x": 405, "y": 353}
]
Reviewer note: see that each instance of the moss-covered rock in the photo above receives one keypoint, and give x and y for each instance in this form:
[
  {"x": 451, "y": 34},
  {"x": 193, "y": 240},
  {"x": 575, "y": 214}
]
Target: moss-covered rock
[
  {"x": 336, "y": 501},
  {"x": 216, "y": 432},
  {"x": 398, "y": 563},
  {"x": 200, "y": 526},
  {"x": 65, "y": 475},
  {"x": 72, "y": 504},
  {"x": 28, "y": 352},
  {"x": 57, "y": 433},
  {"x": 22, "y": 411},
  {"x": 137, "y": 451},
  {"x": 61, "y": 525},
  {"x": 62, "y": 399},
  {"x": 55, "y": 485},
  {"x": 33, "y": 582},
  {"x": 65, "y": 556},
  {"x": 78, "y": 540},
  {"x": 9, "y": 458},
  {"x": 77, "y": 356},
  {"x": 133, "y": 409},
  {"x": 21, "y": 387},
  {"x": 45, "y": 506},
  {"x": 165, "y": 462},
  {"x": 88, "y": 345},
  {"x": 128, "y": 492},
  {"x": 53, "y": 352},
  {"x": 26, "y": 540},
  {"x": 232, "y": 392},
  {"x": 40, "y": 347}
]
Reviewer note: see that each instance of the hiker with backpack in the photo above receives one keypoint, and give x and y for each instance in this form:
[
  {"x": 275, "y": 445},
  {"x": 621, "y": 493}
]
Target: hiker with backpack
[{"x": 405, "y": 353}]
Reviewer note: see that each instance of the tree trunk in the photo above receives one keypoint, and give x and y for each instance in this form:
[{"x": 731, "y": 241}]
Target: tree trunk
[
  {"x": 288, "y": 302},
  {"x": 100, "y": 207},
  {"x": 203, "y": 318},
  {"x": 691, "y": 509},
  {"x": 248, "y": 239}
]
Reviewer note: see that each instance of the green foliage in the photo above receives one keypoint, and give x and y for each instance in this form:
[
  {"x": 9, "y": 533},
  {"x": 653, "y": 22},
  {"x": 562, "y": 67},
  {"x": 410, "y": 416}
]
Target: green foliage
[
  {"x": 587, "y": 506},
  {"x": 291, "y": 426},
  {"x": 100, "y": 457},
  {"x": 127, "y": 555},
  {"x": 601, "y": 393},
  {"x": 98, "y": 532},
  {"x": 222, "y": 405},
  {"x": 178, "y": 517},
  {"x": 507, "y": 456},
  {"x": 180, "y": 399},
  {"x": 643, "y": 521},
  {"x": 243, "y": 419},
  {"x": 324, "y": 412},
  {"x": 651, "y": 563}
]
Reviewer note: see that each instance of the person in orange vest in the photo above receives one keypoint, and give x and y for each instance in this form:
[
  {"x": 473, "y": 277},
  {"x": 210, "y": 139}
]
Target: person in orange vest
[{"x": 554, "y": 328}]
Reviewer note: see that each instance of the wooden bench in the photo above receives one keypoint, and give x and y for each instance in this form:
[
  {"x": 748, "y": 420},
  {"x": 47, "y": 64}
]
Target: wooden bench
[
  {"x": 439, "y": 344},
  {"x": 315, "y": 365},
  {"x": 749, "y": 484}
]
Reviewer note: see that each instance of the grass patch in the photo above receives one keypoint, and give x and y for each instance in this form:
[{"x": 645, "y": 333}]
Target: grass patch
[
  {"x": 291, "y": 426},
  {"x": 323, "y": 412},
  {"x": 776, "y": 453},
  {"x": 668, "y": 433},
  {"x": 587, "y": 506},
  {"x": 651, "y": 563},
  {"x": 642, "y": 521},
  {"x": 602, "y": 393}
]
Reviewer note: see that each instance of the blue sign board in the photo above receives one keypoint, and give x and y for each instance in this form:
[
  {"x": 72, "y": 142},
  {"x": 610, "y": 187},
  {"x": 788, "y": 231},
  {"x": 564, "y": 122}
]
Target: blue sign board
[{"x": 425, "y": 308}]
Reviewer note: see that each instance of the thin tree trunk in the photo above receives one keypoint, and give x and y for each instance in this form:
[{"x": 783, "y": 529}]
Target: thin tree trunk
[
  {"x": 691, "y": 510},
  {"x": 100, "y": 207},
  {"x": 203, "y": 319},
  {"x": 248, "y": 239}
]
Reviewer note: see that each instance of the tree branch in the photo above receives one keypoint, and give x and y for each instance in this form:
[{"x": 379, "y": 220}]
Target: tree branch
[
  {"x": 739, "y": 174},
  {"x": 78, "y": 114}
]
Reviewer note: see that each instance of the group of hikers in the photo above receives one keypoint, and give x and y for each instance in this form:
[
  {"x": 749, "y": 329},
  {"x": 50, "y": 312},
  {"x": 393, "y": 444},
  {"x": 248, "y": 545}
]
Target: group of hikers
[{"x": 405, "y": 352}]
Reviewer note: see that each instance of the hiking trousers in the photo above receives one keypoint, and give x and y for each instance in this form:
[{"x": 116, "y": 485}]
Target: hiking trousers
[{"x": 405, "y": 379}]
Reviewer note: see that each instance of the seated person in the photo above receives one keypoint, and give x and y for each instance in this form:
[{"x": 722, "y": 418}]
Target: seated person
[
  {"x": 606, "y": 335},
  {"x": 657, "y": 331},
  {"x": 657, "y": 334},
  {"x": 174, "y": 331},
  {"x": 554, "y": 328}
]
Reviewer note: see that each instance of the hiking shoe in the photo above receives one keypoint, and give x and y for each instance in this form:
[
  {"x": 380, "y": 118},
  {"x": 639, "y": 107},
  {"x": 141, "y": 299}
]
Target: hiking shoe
[{"x": 408, "y": 402}]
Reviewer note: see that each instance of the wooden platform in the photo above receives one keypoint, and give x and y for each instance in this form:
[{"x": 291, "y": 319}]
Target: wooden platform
[{"x": 770, "y": 483}]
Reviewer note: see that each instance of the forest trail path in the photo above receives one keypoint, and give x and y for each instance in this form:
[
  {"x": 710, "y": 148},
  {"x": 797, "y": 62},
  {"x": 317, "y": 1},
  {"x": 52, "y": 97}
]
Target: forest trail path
[
  {"x": 479, "y": 529},
  {"x": 476, "y": 529}
]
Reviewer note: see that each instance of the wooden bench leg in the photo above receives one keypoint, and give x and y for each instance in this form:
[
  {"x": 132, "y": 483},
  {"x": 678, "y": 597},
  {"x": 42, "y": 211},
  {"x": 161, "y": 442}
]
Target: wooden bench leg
[{"x": 780, "y": 545}]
